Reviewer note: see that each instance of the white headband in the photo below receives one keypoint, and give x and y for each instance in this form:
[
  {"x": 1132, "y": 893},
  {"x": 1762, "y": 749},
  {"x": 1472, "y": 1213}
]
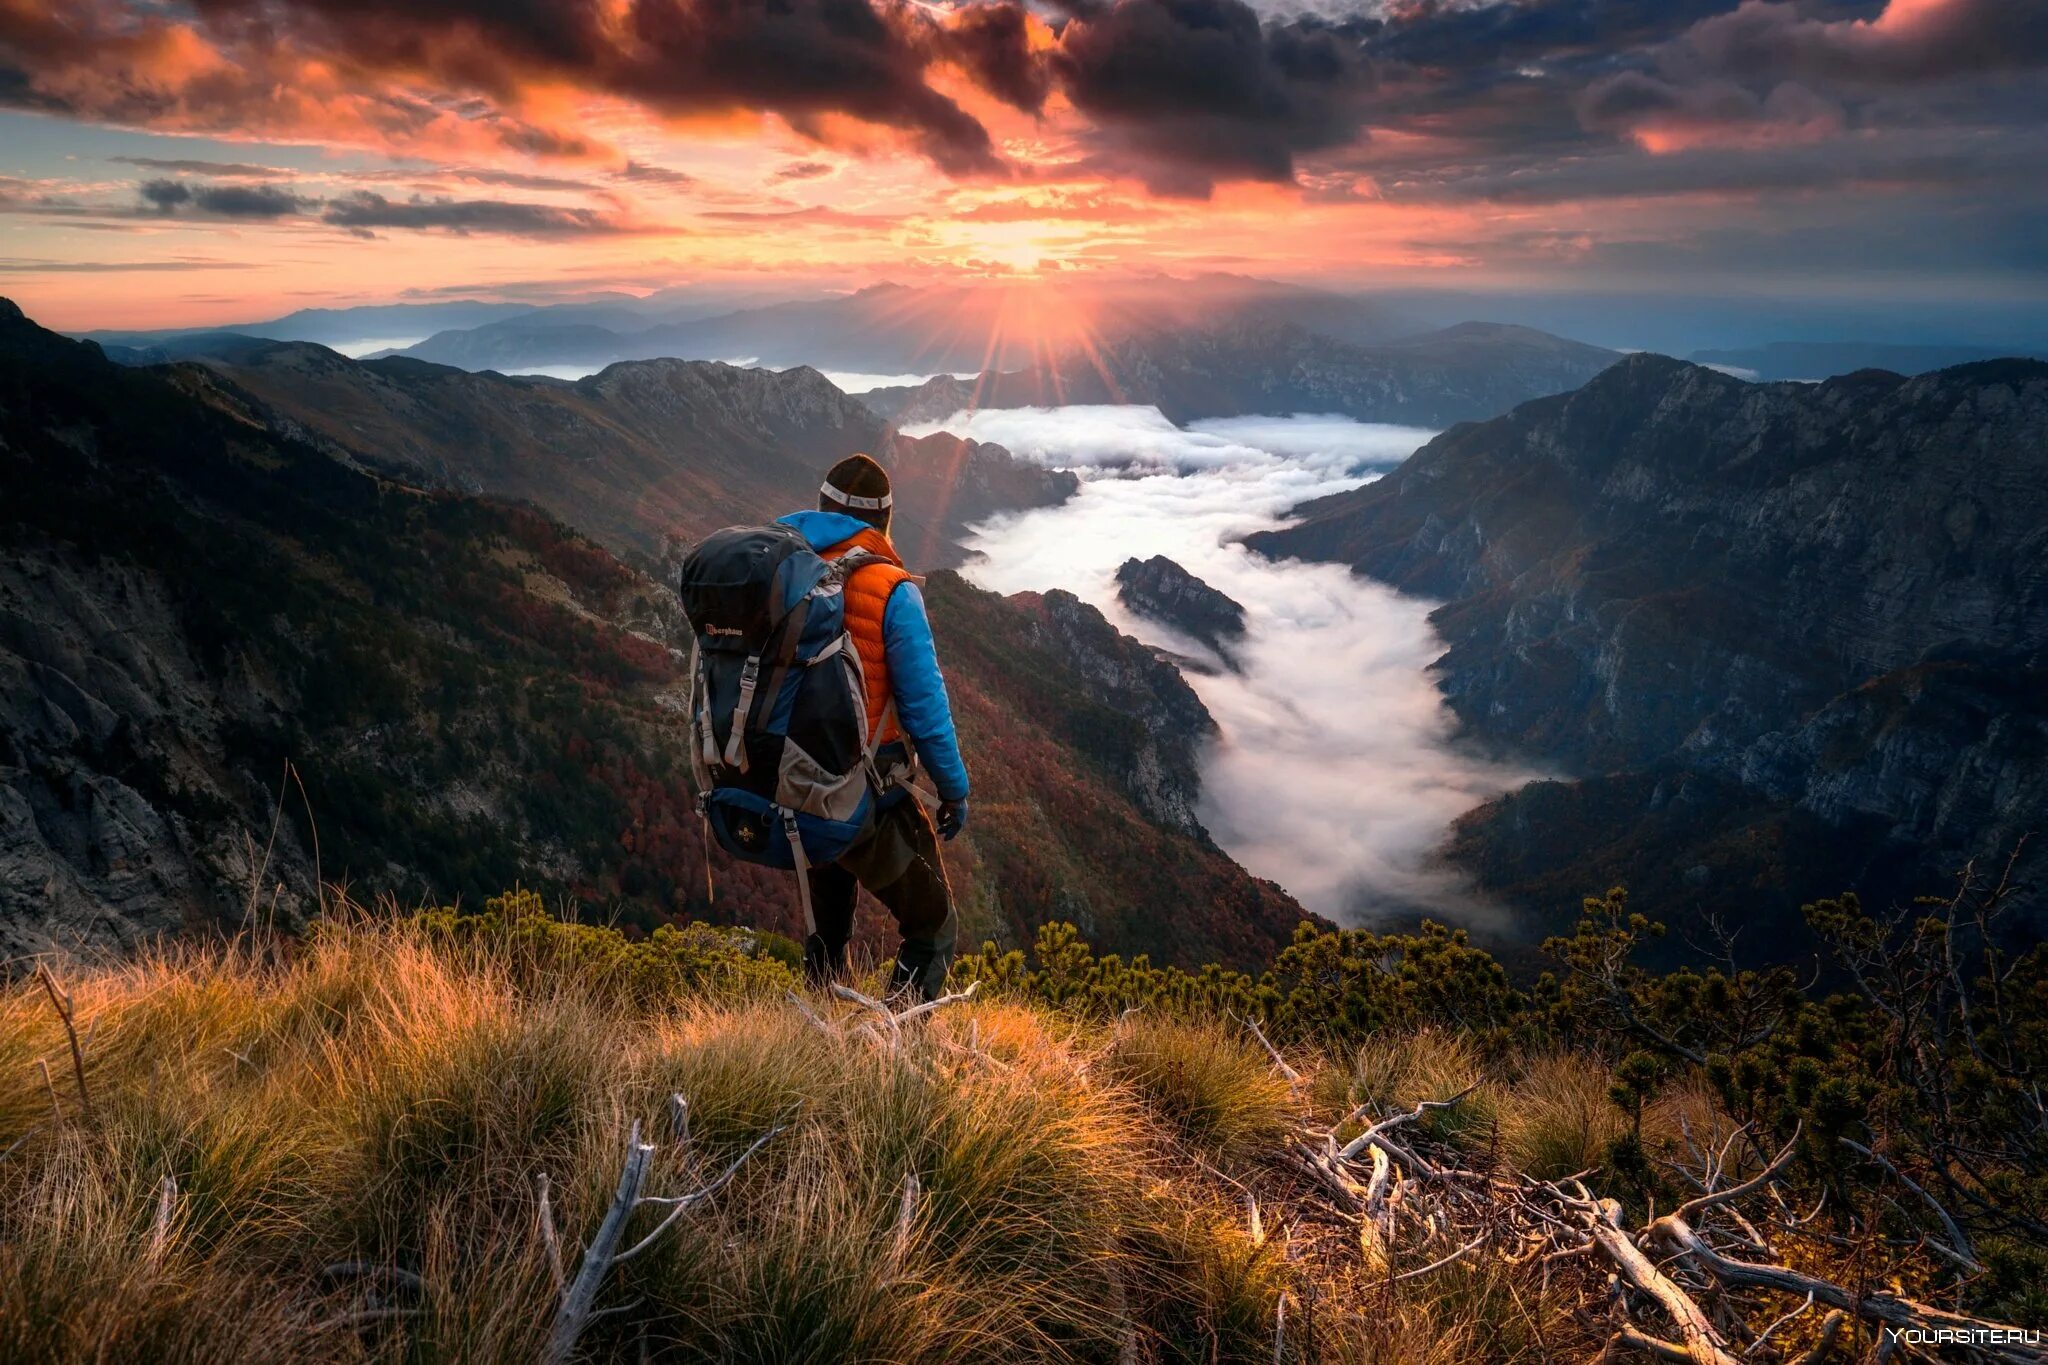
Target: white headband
[{"x": 849, "y": 500}]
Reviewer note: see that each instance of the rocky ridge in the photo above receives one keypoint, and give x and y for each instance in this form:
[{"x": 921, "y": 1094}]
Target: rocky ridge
[
  {"x": 1474, "y": 370},
  {"x": 1822, "y": 606},
  {"x": 1161, "y": 589}
]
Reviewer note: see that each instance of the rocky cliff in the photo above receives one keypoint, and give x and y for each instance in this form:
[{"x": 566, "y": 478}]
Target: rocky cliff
[
  {"x": 1828, "y": 603},
  {"x": 1470, "y": 371},
  {"x": 1163, "y": 590}
]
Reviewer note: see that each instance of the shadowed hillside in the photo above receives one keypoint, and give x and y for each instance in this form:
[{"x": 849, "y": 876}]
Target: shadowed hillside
[{"x": 637, "y": 457}]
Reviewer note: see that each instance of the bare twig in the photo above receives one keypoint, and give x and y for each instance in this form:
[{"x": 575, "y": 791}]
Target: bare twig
[
  {"x": 1755, "y": 1182},
  {"x": 548, "y": 1237},
  {"x": 817, "y": 1020},
  {"x": 683, "y": 1204},
  {"x": 61, "y": 1001},
  {"x": 166, "y": 1206},
  {"x": 580, "y": 1298},
  {"x": 1293, "y": 1076},
  {"x": 1351, "y": 1149},
  {"x": 1959, "y": 1241},
  {"x": 906, "y": 1217}
]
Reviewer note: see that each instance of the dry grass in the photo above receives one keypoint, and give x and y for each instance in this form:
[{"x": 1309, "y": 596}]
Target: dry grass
[{"x": 382, "y": 1095}]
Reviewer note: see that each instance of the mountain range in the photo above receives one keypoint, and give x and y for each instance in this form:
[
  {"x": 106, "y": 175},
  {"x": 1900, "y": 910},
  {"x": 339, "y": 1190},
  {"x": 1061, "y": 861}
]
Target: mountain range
[
  {"x": 924, "y": 329},
  {"x": 1469, "y": 371},
  {"x": 237, "y": 663},
  {"x": 638, "y": 456},
  {"x": 1824, "y": 359},
  {"x": 1782, "y": 639}
]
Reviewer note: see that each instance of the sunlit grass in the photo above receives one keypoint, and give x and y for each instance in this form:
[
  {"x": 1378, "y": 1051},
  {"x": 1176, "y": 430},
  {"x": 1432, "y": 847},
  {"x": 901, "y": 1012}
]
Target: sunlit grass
[{"x": 387, "y": 1094}]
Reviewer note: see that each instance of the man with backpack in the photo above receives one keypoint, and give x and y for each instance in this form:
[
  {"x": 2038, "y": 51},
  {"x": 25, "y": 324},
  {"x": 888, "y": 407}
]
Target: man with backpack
[{"x": 812, "y": 637}]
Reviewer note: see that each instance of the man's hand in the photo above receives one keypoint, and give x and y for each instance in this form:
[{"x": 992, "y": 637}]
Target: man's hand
[{"x": 952, "y": 818}]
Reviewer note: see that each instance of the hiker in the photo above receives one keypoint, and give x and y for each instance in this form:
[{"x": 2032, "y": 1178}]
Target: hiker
[{"x": 781, "y": 775}]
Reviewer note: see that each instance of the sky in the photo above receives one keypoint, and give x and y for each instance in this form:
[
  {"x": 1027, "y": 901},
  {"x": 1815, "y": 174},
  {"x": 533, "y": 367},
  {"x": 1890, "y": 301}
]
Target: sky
[{"x": 183, "y": 162}]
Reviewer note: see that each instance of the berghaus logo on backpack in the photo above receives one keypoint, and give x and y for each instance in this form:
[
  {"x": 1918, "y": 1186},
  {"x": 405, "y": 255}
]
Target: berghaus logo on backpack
[{"x": 780, "y": 745}]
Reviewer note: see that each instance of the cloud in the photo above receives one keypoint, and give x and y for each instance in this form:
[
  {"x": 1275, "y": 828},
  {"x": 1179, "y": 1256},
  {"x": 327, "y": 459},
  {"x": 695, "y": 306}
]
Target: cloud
[
  {"x": 1336, "y": 773},
  {"x": 168, "y": 197},
  {"x": 1112, "y": 436},
  {"x": 233, "y": 170},
  {"x": 804, "y": 170},
  {"x": 365, "y": 210},
  {"x": 20, "y": 265},
  {"x": 1183, "y": 93},
  {"x": 639, "y": 172},
  {"x": 343, "y": 70},
  {"x": 815, "y": 215},
  {"x": 1770, "y": 71}
]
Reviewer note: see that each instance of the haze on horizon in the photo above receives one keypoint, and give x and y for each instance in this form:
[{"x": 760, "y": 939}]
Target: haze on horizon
[{"x": 212, "y": 161}]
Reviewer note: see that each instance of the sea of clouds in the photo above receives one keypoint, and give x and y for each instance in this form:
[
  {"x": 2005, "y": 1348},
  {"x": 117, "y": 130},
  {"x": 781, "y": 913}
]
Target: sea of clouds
[{"x": 1336, "y": 774}]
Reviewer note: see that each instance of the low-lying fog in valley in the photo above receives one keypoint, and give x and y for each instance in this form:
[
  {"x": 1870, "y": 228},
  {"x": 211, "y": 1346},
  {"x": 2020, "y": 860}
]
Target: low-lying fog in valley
[{"x": 1335, "y": 774}]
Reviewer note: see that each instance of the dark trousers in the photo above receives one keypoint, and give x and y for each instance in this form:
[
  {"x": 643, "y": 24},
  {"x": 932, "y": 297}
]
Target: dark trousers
[{"x": 898, "y": 862}]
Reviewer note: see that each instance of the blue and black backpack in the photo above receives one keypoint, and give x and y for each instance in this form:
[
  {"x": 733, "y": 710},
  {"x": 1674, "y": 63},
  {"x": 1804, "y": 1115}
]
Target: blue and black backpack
[{"x": 778, "y": 705}]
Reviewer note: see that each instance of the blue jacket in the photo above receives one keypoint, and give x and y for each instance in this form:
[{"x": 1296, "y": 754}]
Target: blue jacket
[{"x": 922, "y": 708}]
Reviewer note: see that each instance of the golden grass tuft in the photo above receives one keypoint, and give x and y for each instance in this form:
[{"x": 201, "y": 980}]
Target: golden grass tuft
[{"x": 387, "y": 1094}]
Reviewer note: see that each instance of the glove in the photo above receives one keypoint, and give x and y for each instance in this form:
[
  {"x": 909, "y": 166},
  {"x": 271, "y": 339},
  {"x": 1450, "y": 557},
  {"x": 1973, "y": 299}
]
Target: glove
[{"x": 952, "y": 818}]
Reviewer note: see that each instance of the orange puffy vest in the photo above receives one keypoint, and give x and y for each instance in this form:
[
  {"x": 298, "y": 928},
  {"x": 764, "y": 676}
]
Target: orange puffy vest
[{"x": 867, "y": 597}]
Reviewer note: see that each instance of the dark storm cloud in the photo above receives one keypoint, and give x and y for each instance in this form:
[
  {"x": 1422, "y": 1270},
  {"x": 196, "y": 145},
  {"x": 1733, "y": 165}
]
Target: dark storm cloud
[
  {"x": 993, "y": 43},
  {"x": 364, "y": 210},
  {"x": 1186, "y": 92},
  {"x": 165, "y": 196},
  {"x": 169, "y": 197},
  {"x": 1777, "y": 65},
  {"x": 1932, "y": 42},
  {"x": 802, "y": 59}
]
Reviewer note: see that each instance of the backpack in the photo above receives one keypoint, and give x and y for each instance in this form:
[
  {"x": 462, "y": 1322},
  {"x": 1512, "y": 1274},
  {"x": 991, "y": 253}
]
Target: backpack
[{"x": 784, "y": 762}]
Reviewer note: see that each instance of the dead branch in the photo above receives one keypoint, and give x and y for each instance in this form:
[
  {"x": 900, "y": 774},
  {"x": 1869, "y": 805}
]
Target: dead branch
[
  {"x": 61, "y": 1001},
  {"x": 1365, "y": 1139},
  {"x": 549, "y": 1240},
  {"x": 1959, "y": 1247},
  {"x": 1701, "y": 1343},
  {"x": 166, "y": 1206},
  {"x": 1279, "y": 1062},
  {"x": 580, "y": 1298},
  {"x": 1734, "y": 1192}
]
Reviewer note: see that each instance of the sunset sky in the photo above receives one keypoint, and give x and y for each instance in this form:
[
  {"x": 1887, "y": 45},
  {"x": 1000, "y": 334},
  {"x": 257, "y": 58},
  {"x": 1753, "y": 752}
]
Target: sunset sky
[{"x": 186, "y": 161}]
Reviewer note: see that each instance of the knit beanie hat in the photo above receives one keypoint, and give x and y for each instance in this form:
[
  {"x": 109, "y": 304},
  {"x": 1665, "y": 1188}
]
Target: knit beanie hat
[{"x": 858, "y": 487}]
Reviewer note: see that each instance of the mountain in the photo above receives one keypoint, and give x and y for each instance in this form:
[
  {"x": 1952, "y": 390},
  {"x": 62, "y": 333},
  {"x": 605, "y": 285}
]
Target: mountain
[
  {"x": 1470, "y": 371},
  {"x": 1822, "y": 359},
  {"x": 333, "y": 325},
  {"x": 1778, "y": 630},
  {"x": 636, "y": 456},
  {"x": 928, "y": 329},
  {"x": 1161, "y": 589},
  {"x": 232, "y": 665},
  {"x": 385, "y": 323}
]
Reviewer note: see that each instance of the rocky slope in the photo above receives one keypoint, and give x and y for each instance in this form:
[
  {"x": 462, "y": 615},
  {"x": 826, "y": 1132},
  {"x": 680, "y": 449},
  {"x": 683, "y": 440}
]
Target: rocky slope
[
  {"x": 636, "y": 456},
  {"x": 468, "y": 695},
  {"x": 1817, "y": 613},
  {"x": 1163, "y": 590},
  {"x": 1474, "y": 370}
]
